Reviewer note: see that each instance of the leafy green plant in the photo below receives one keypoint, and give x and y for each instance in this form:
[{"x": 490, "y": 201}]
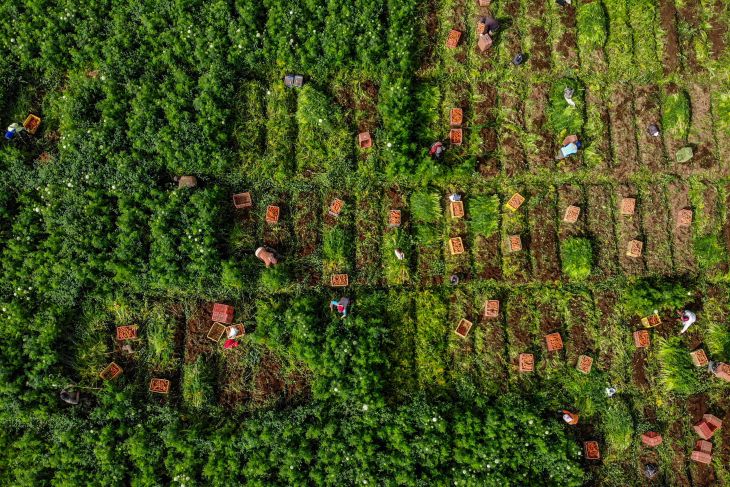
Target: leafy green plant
[
  {"x": 678, "y": 374},
  {"x": 646, "y": 295},
  {"x": 160, "y": 339},
  {"x": 676, "y": 114},
  {"x": 484, "y": 213},
  {"x": 617, "y": 425},
  {"x": 718, "y": 341},
  {"x": 709, "y": 250},
  {"x": 425, "y": 207},
  {"x": 197, "y": 384},
  {"x": 564, "y": 119},
  {"x": 577, "y": 257}
]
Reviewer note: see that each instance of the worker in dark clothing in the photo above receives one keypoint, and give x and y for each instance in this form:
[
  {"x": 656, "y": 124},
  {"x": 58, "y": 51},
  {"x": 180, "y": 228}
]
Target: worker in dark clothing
[{"x": 70, "y": 397}]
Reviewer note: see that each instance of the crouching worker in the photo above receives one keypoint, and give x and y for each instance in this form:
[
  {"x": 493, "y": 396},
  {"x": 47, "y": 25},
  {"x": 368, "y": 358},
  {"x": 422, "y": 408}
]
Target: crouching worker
[
  {"x": 70, "y": 397},
  {"x": 568, "y": 417},
  {"x": 267, "y": 256},
  {"x": 13, "y": 130},
  {"x": 341, "y": 306},
  {"x": 571, "y": 144}
]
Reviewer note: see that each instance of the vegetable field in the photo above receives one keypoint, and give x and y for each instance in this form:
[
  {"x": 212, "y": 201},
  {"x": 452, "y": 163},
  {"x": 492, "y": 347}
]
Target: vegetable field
[{"x": 110, "y": 254}]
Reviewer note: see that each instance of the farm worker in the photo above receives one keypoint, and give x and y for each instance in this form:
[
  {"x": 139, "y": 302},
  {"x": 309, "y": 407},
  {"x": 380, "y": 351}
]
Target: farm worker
[
  {"x": 399, "y": 254},
  {"x": 13, "y": 130},
  {"x": 454, "y": 197},
  {"x": 610, "y": 391},
  {"x": 437, "y": 150},
  {"x": 720, "y": 369},
  {"x": 232, "y": 332},
  {"x": 454, "y": 279},
  {"x": 341, "y": 305},
  {"x": 518, "y": 59},
  {"x": 563, "y": 3},
  {"x": 686, "y": 317},
  {"x": 230, "y": 343},
  {"x": 650, "y": 470},
  {"x": 492, "y": 25},
  {"x": 571, "y": 144},
  {"x": 568, "y": 95},
  {"x": 70, "y": 397},
  {"x": 568, "y": 417},
  {"x": 653, "y": 130},
  {"x": 267, "y": 256}
]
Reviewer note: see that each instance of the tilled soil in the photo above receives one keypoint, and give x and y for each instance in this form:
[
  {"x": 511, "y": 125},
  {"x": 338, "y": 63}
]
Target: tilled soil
[
  {"x": 600, "y": 216},
  {"x": 623, "y": 133},
  {"x": 718, "y": 29},
  {"x": 656, "y": 223},
  {"x": 544, "y": 240},
  {"x": 570, "y": 195},
  {"x": 545, "y": 150},
  {"x": 567, "y": 46},
  {"x": 668, "y": 17},
  {"x": 701, "y": 137},
  {"x": 488, "y": 162},
  {"x": 648, "y": 112},
  {"x": 196, "y": 340},
  {"x": 684, "y": 260},
  {"x": 513, "y": 153},
  {"x": 630, "y": 229}
]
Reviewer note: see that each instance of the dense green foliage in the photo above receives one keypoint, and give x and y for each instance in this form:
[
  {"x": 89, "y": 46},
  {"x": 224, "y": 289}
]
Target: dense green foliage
[{"x": 577, "y": 258}]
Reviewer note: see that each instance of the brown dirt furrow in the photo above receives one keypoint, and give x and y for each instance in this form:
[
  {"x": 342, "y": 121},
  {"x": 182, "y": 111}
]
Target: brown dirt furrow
[
  {"x": 543, "y": 155},
  {"x": 689, "y": 13},
  {"x": 623, "y": 133},
  {"x": 679, "y": 465},
  {"x": 684, "y": 260},
  {"x": 656, "y": 222},
  {"x": 726, "y": 226},
  {"x": 544, "y": 239},
  {"x": 484, "y": 117},
  {"x": 718, "y": 29},
  {"x": 648, "y": 111},
  {"x": 601, "y": 140},
  {"x": 668, "y": 17},
  {"x": 605, "y": 302},
  {"x": 601, "y": 220},
  {"x": 580, "y": 340},
  {"x": 196, "y": 340},
  {"x": 567, "y": 47},
  {"x": 629, "y": 229},
  {"x": 570, "y": 195},
  {"x": 700, "y": 135},
  {"x": 430, "y": 260},
  {"x": 539, "y": 57},
  {"x": 487, "y": 258},
  {"x": 367, "y": 248},
  {"x": 306, "y": 222},
  {"x": 638, "y": 369},
  {"x": 519, "y": 336},
  {"x": 513, "y": 159}
]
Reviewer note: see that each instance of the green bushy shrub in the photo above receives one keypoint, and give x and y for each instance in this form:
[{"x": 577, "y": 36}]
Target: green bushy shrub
[
  {"x": 484, "y": 214},
  {"x": 709, "y": 251},
  {"x": 718, "y": 341},
  {"x": 678, "y": 374},
  {"x": 646, "y": 295},
  {"x": 425, "y": 207},
  {"x": 617, "y": 425},
  {"x": 676, "y": 115},
  {"x": 197, "y": 384},
  {"x": 577, "y": 258}
]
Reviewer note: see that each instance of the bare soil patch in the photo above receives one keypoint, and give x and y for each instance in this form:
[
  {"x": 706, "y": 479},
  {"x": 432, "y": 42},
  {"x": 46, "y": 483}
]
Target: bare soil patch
[
  {"x": 668, "y": 17},
  {"x": 718, "y": 29},
  {"x": 540, "y": 56},
  {"x": 623, "y": 131},
  {"x": 196, "y": 340},
  {"x": 656, "y": 223},
  {"x": 600, "y": 218},
  {"x": 570, "y": 195},
  {"x": 544, "y": 154},
  {"x": 648, "y": 112},
  {"x": 684, "y": 260},
  {"x": 514, "y": 154},
  {"x": 629, "y": 229},
  {"x": 701, "y": 137},
  {"x": 544, "y": 240},
  {"x": 638, "y": 369}
]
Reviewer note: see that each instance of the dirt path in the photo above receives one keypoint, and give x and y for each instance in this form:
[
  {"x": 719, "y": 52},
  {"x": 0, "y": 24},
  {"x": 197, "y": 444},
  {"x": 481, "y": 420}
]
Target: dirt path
[
  {"x": 485, "y": 106},
  {"x": 196, "y": 340},
  {"x": 543, "y": 155},
  {"x": 579, "y": 337},
  {"x": 513, "y": 153},
  {"x": 306, "y": 231},
  {"x": 539, "y": 55},
  {"x": 569, "y": 195},
  {"x": 648, "y": 111},
  {"x": 689, "y": 14},
  {"x": 606, "y": 302},
  {"x": 656, "y": 223},
  {"x": 518, "y": 332},
  {"x": 544, "y": 238},
  {"x": 668, "y": 17},
  {"x": 623, "y": 131},
  {"x": 700, "y": 134},
  {"x": 598, "y": 111},
  {"x": 684, "y": 260},
  {"x": 718, "y": 28},
  {"x": 630, "y": 229},
  {"x": 368, "y": 228},
  {"x": 600, "y": 217},
  {"x": 566, "y": 48}
]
